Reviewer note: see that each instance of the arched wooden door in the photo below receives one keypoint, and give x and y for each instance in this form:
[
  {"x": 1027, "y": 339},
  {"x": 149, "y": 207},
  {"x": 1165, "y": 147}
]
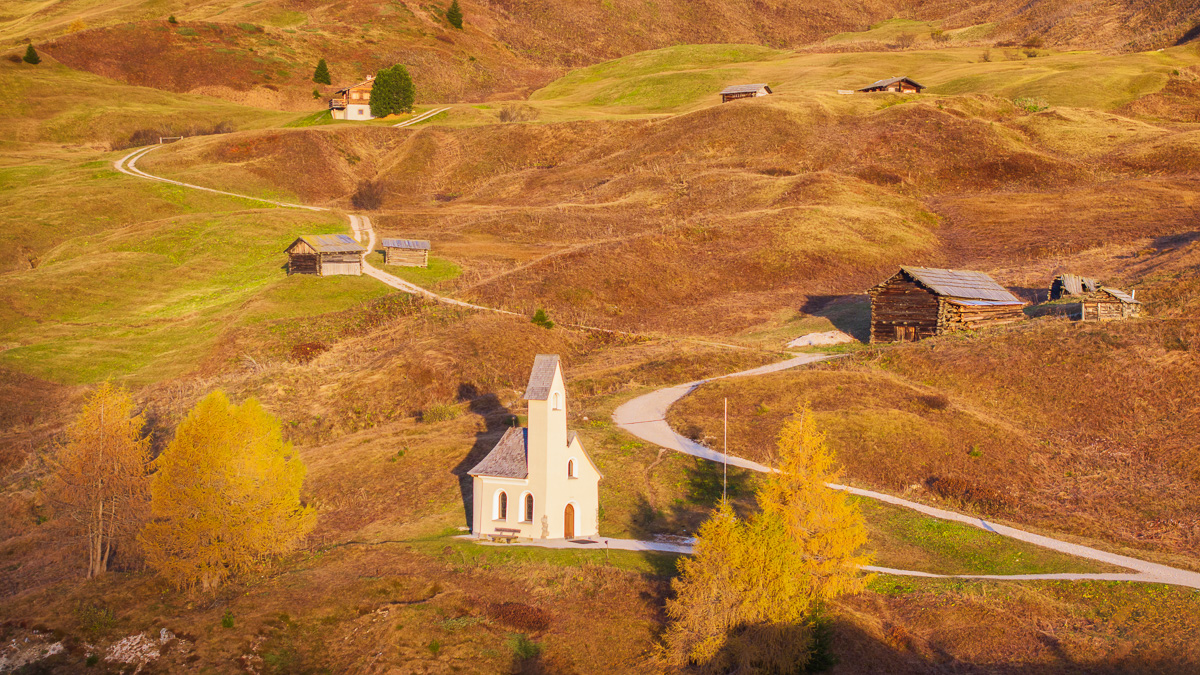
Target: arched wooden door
[{"x": 569, "y": 522}]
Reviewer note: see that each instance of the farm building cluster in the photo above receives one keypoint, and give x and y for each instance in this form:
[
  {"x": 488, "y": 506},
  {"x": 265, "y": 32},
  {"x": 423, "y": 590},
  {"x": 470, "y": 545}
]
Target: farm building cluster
[
  {"x": 920, "y": 302},
  {"x": 327, "y": 255},
  {"x": 898, "y": 85}
]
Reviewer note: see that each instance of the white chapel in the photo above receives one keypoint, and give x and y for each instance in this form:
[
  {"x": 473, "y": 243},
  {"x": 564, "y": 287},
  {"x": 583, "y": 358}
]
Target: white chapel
[{"x": 538, "y": 482}]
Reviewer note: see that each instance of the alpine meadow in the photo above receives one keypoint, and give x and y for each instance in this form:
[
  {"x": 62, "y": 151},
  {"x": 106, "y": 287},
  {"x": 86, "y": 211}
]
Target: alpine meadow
[{"x": 669, "y": 337}]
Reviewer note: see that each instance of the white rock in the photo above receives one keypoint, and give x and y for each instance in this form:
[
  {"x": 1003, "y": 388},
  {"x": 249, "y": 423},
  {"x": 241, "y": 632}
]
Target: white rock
[{"x": 832, "y": 337}]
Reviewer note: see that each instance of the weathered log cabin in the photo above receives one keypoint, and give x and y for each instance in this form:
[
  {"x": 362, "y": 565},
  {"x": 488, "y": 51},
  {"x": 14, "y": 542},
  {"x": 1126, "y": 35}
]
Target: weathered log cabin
[
  {"x": 902, "y": 85},
  {"x": 1065, "y": 285},
  {"x": 1109, "y": 304},
  {"x": 921, "y": 302},
  {"x": 406, "y": 252},
  {"x": 325, "y": 255},
  {"x": 737, "y": 91}
]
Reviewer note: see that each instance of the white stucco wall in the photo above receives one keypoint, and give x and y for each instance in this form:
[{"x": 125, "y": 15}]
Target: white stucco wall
[
  {"x": 548, "y": 481},
  {"x": 359, "y": 111}
]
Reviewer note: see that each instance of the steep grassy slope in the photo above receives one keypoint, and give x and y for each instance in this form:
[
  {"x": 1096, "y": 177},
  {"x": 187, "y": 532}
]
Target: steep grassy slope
[
  {"x": 711, "y": 221},
  {"x": 263, "y": 53}
]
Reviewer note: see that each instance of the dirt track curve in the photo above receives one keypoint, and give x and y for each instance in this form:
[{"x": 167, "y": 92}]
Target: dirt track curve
[{"x": 645, "y": 417}]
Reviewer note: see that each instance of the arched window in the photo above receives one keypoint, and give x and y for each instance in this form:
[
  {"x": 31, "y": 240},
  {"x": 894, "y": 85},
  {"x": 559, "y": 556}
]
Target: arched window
[
  {"x": 528, "y": 508},
  {"x": 571, "y": 468},
  {"x": 557, "y": 401},
  {"x": 500, "y": 506}
]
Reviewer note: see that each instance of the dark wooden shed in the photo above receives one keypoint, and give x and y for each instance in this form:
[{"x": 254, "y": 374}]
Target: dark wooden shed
[
  {"x": 406, "y": 252},
  {"x": 325, "y": 255},
  {"x": 921, "y": 302},
  {"x": 737, "y": 91},
  {"x": 902, "y": 85},
  {"x": 1065, "y": 285}
]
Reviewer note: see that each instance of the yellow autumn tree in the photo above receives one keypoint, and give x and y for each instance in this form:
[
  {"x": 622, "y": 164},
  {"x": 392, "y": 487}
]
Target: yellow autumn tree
[
  {"x": 99, "y": 474},
  {"x": 746, "y": 600},
  {"x": 225, "y": 495}
]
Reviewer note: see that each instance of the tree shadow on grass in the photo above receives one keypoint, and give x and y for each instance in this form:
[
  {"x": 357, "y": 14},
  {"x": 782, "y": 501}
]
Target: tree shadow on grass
[{"x": 497, "y": 419}]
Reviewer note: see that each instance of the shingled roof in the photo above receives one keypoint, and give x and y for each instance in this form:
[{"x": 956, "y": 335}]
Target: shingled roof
[
  {"x": 541, "y": 377},
  {"x": 413, "y": 244},
  {"x": 508, "y": 459},
  {"x": 745, "y": 88},
  {"x": 962, "y": 285},
  {"x": 330, "y": 243}
]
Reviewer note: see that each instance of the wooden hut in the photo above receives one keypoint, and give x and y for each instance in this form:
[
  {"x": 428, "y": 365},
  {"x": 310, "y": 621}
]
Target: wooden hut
[
  {"x": 406, "y": 252},
  {"x": 921, "y": 302},
  {"x": 744, "y": 91},
  {"x": 902, "y": 85},
  {"x": 1070, "y": 285},
  {"x": 325, "y": 255},
  {"x": 1109, "y": 304}
]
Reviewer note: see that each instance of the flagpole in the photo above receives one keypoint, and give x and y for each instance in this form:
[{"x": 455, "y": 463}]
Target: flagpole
[{"x": 725, "y": 455}]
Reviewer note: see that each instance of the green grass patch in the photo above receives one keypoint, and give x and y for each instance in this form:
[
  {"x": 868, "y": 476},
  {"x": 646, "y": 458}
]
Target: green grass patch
[
  {"x": 147, "y": 300},
  {"x": 439, "y": 270},
  {"x": 904, "y": 539}
]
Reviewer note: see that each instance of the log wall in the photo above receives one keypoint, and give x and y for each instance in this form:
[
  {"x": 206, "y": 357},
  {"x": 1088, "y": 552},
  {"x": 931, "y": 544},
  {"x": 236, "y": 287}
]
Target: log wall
[
  {"x": 304, "y": 263},
  {"x": 902, "y": 303},
  {"x": 954, "y": 317}
]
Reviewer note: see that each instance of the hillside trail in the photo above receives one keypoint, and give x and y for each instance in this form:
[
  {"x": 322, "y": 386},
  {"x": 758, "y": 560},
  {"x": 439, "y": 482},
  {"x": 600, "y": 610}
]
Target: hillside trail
[{"x": 645, "y": 418}]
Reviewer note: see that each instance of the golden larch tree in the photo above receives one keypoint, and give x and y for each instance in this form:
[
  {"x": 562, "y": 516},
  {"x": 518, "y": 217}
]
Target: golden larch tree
[
  {"x": 99, "y": 474},
  {"x": 225, "y": 495},
  {"x": 746, "y": 600}
]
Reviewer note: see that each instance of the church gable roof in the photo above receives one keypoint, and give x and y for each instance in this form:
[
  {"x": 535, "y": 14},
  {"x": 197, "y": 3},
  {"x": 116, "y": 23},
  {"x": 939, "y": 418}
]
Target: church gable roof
[
  {"x": 572, "y": 437},
  {"x": 541, "y": 377},
  {"x": 508, "y": 459}
]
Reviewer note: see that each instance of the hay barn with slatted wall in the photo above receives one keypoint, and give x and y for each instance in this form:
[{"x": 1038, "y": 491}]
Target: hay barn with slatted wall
[
  {"x": 325, "y": 255},
  {"x": 406, "y": 252}
]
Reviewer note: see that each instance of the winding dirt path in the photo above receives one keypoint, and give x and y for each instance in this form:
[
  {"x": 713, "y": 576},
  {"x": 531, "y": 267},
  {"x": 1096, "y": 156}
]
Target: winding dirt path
[{"x": 645, "y": 417}]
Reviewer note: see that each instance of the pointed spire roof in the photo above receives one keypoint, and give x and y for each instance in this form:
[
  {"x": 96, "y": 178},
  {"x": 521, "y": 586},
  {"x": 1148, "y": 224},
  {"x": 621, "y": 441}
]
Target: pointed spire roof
[{"x": 541, "y": 377}]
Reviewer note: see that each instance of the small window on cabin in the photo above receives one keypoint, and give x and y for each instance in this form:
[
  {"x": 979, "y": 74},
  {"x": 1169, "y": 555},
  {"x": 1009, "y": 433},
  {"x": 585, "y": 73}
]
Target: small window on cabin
[
  {"x": 529, "y": 508},
  {"x": 570, "y": 468},
  {"x": 557, "y": 401},
  {"x": 502, "y": 507}
]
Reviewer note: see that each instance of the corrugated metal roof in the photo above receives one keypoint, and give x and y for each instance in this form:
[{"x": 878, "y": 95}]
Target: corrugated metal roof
[
  {"x": 962, "y": 284},
  {"x": 541, "y": 377},
  {"x": 891, "y": 81},
  {"x": 1122, "y": 296},
  {"x": 508, "y": 459},
  {"x": 330, "y": 243},
  {"x": 744, "y": 88},
  {"x": 416, "y": 244}
]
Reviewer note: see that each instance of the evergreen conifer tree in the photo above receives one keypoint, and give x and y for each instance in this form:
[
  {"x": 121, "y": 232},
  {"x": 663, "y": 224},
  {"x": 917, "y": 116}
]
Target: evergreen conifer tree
[
  {"x": 393, "y": 92},
  {"x": 321, "y": 74},
  {"x": 454, "y": 15},
  {"x": 31, "y": 56}
]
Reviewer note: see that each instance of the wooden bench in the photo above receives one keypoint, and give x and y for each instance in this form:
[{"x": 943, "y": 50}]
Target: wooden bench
[{"x": 504, "y": 534}]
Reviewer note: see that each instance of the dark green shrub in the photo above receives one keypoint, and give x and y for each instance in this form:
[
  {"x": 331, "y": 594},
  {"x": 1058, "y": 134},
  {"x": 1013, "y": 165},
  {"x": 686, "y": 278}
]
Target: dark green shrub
[
  {"x": 454, "y": 15},
  {"x": 321, "y": 74},
  {"x": 393, "y": 92},
  {"x": 31, "y": 56}
]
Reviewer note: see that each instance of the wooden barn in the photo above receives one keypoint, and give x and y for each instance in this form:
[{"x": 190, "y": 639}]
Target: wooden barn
[
  {"x": 325, "y": 255},
  {"x": 1109, "y": 304},
  {"x": 737, "y": 91},
  {"x": 1070, "y": 285},
  {"x": 902, "y": 85},
  {"x": 406, "y": 252},
  {"x": 921, "y": 302}
]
